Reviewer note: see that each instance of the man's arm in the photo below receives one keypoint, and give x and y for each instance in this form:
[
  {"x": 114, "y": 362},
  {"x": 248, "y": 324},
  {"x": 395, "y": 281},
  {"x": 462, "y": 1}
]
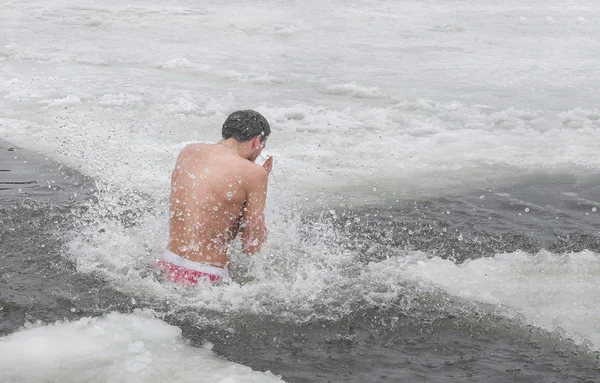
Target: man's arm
[{"x": 254, "y": 233}]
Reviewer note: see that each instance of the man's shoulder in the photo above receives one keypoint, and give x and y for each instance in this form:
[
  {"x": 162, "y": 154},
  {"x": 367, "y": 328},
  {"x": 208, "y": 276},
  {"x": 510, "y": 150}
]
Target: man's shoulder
[
  {"x": 255, "y": 174},
  {"x": 191, "y": 150},
  {"x": 255, "y": 169},
  {"x": 193, "y": 147}
]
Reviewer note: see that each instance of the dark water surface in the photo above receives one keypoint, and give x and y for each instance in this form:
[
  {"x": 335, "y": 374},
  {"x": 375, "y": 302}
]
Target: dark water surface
[{"x": 441, "y": 340}]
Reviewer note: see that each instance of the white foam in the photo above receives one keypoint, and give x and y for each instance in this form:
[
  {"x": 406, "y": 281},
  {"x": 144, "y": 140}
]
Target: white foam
[
  {"x": 114, "y": 348},
  {"x": 306, "y": 268},
  {"x": 557, "y": 292}
]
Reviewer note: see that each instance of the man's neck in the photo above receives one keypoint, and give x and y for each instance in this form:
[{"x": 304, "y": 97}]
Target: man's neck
[
  {"x": 228, "y": 145},
  {"x": 239, "y": 147}
]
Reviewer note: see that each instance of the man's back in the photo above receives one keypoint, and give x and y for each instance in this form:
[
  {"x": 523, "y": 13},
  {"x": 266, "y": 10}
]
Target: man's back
[{"x": 212, "y": 190}]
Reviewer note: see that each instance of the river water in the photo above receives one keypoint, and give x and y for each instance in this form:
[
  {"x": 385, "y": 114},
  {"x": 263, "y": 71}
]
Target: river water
[{"x": 434, "y": 208}]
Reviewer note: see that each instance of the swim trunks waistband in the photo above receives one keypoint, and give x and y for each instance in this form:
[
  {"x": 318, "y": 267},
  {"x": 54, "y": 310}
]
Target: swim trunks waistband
[
  {"x": 181, "y": 270},
  {"x": 180, "y": 261}
]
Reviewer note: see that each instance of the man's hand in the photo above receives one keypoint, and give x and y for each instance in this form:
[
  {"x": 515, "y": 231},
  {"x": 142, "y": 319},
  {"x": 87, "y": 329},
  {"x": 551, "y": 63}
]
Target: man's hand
[{"x": 268, "y": 165}]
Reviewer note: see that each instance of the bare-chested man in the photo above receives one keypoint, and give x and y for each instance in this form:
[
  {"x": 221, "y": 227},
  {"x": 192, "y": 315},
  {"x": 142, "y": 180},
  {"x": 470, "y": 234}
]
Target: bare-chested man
[{"x": 217, "y": 191}]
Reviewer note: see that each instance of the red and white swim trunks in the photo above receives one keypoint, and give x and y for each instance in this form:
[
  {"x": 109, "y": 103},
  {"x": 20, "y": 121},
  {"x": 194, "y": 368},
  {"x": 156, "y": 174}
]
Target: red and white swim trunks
[{"x": 181, "y": 270}]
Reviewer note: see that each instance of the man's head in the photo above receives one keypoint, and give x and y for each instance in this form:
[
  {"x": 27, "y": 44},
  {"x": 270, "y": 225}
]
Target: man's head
[
  {"x": 248, "y": 127},
  {"x": 245, "y": 125}
]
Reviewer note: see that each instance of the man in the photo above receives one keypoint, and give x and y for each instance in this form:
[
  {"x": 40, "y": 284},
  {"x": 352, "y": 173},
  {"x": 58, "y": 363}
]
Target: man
[{"x": 217, "y": 191}]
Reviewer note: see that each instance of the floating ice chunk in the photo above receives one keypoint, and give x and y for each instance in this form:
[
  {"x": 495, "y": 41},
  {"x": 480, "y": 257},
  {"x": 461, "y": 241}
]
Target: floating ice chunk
[
  {"x": 8, "y": 51},
  {"x": 448, "y": 28},
  {"x": 121, "y": 100},
  {"x": 522, "y": 20},
  {"x": 284, "y": 31},
  {"x": 294, "y": 114},
  {"x": 181, "y": 63},
  {"x": 355, "y": 90},
  {"x": 183, "y": 105},
  {"x": 95, "y": 21},
  {"x": 264, "y": 79},
  {"x": 130, "y": 348},
  {"x": 67, "y": 100},
  {"x": 252, "y": 78},
  {"x": 580, "y": 118},
  {"x": 136, "y": 347},
  {"x": 177, "y": 63},
  {"x": 224, "y": 105},
  {"x": 134, "y": 367},
  {"x": 230, "y": 74}
]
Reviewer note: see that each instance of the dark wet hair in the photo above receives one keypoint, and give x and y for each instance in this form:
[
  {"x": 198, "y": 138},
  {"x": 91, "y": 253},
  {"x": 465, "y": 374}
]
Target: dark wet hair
[{"x": 244, "y": 125}]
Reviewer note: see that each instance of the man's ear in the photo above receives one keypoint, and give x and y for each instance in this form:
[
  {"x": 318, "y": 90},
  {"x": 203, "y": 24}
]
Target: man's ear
[{"x": 256, "y": 142}]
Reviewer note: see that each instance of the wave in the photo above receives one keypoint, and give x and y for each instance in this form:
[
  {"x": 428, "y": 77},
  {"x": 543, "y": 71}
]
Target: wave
[{"x": 311, "y": 269}]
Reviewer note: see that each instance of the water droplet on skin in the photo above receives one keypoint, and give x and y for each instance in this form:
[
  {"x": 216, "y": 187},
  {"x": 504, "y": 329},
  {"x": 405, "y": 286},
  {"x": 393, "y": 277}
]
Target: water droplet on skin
[
  {"x": 215, "y": 208},
  {"x": 460, "y": 237},
  {"x": 526, "y": 210},
  {"x": 230, "y": 185},
  {"x": 594, "y": 209},
  {"x": 206, "y": 170},
  {"x": 240, "y": 181},
  {"x": 444, "y": 229},
  {"x": 229, "y": 194}
]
